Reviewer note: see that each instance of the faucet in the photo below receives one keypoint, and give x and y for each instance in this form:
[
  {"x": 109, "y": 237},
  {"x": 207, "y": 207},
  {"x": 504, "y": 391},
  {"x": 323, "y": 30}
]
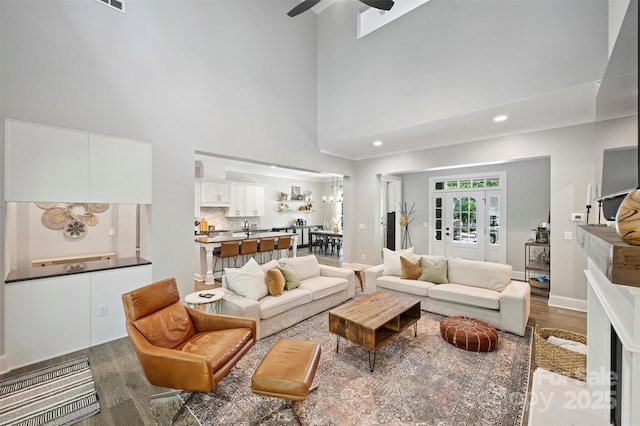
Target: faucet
[{"x": 247, "y": 227}]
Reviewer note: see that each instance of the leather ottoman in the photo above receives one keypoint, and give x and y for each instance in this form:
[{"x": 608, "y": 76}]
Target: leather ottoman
[
  {"x": 287, "y": 371},
  {"x": 469, "y": 334}
]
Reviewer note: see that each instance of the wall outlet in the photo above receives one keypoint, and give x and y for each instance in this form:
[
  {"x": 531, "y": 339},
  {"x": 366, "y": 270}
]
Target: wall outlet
[
  {"x": 361, "y": 226},
  {"x": 568, "y": 235},
  {"x": 102, "y": 310},
  {"x": 362, "y": 256},
  {"x": 112, "y": 232}
]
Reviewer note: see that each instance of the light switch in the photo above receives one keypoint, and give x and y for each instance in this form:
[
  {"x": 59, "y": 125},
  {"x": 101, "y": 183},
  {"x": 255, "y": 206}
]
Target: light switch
[
  {"x": 361, "y": 226},
  {"x": 567, "y": 235}
]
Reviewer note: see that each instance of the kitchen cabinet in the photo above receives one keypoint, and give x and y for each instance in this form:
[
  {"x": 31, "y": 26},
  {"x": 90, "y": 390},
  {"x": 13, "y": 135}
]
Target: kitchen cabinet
[
  {"x": 45, "y": 163},
  {"x": 215, "y": 193},
  {"x": 246, "y": 200},
  {"x": 238, "y": 201},
  {"x": 119, "y": 170},
  {"x": 254, "y": 200},
  {"x": 49, "y": 317}
]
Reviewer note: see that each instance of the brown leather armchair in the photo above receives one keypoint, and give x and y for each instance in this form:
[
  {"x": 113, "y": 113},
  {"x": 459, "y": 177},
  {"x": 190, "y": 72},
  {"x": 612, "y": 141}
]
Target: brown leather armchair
[{"x": 180, "y": 347}]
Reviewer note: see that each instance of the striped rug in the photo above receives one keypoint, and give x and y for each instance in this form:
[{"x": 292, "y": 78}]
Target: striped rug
[{"x": 61, "y": 394}]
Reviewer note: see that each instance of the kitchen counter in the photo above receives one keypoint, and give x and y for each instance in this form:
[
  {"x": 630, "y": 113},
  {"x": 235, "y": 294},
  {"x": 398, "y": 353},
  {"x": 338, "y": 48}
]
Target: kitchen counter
[
  {"x": 208, "y": 244},
  {"x": 34, "y": 273}
]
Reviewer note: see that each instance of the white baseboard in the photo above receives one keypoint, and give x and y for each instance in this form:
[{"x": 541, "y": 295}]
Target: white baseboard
[
  {"x": 517, "y": 275},
  {"x": 199, "y": 277},
  {"x": 568, "y": 303}
]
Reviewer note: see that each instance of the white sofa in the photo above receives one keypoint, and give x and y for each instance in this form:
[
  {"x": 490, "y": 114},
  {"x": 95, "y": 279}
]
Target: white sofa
[
  {"x": 321, "y": 287},
  {"x": 482, "y": 290}
]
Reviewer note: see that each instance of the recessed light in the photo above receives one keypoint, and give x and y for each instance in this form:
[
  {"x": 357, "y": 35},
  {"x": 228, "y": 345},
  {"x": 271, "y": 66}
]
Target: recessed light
[
  {"x": 500, "y": 118},
  {"x": 377, "y": 143}
]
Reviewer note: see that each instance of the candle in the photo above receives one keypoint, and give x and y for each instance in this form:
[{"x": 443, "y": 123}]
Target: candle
[{"x": 589, "y": 195}]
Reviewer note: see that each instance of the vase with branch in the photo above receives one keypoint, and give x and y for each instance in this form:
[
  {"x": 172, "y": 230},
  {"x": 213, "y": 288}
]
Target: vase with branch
[{"x": 405, "y": 220}]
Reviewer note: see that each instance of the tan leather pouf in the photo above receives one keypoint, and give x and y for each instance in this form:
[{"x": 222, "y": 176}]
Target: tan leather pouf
[{"x": 469, "y": 333}]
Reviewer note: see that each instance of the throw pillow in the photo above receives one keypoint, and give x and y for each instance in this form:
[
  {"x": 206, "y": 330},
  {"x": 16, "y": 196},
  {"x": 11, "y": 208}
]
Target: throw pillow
[
  {"x": 392, "y": 260},
  {"x": 275, "y": 282},
  {"x": 410, "y": 269},
  {"x": 435, "y": 272},
  {"x": 304, "y": 266},
  {"x": 247, "y": 281},
  {"x": 291, "y": 279}
]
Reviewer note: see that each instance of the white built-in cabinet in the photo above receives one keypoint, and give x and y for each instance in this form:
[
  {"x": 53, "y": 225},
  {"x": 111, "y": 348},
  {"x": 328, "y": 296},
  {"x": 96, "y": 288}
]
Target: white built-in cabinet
[
  {"x": 45, "y": 163},
  {"x": 215, "y": 193},
  {"x": 246, "y": 200},
  {"x": 49, "y": 317}
]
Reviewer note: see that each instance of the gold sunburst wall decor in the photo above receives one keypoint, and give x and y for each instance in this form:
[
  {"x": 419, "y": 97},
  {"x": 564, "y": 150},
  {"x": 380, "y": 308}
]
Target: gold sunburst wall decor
[{"x": 71, "y": 218}]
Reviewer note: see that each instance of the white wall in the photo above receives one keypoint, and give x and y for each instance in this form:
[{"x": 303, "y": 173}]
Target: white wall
[
  {"x": 442, "y": 58},
  {"x": 575, "y": 155}
]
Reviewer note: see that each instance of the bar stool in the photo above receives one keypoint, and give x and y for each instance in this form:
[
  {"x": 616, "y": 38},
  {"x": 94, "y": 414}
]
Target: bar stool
[
  {"x": 248, "y": 248},
  {"x": 266, "y": 246},
  {"x": 284, "y": 243},
  {"x": 228, "y": 250}
]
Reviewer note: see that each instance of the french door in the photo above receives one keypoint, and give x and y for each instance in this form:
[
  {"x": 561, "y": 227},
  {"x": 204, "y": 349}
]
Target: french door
[
  {"x": 468, "y": 217},
  {"x": 464, "y": 212}
]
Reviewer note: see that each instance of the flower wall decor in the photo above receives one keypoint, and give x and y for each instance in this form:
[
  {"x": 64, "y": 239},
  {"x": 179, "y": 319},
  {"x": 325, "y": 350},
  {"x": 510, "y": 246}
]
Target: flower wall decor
[{"x": 71, "y": 218}]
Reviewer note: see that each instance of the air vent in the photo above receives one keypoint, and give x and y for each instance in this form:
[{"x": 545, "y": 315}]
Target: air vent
[{"x": 116, "y": 4}]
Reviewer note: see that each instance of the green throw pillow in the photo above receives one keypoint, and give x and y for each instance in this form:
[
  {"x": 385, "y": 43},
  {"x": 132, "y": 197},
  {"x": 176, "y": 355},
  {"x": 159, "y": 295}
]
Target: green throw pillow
[
  {"x": 291, "y": 279},
  {"x": 433, "y": 272}
]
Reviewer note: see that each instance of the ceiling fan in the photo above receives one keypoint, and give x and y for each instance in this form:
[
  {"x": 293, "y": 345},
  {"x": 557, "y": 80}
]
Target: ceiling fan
[{"x": 308, "y": 4}]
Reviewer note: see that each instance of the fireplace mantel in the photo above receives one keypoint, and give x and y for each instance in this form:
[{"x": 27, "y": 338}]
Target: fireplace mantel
[
  {"x": 618, "y": 261},
  {"x": 613, "y": 275}
]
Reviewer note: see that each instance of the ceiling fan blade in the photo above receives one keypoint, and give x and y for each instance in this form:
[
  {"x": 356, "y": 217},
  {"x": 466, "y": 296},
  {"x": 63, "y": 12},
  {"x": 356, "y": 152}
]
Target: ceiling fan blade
[
  {"x": 302, "y": 7},
  {"x": 379, "y": 4}
]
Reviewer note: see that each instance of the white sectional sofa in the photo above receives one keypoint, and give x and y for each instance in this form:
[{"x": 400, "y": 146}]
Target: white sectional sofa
[
  {"x": 482, "y": 290},
  {"x": 321, "y": 287}
]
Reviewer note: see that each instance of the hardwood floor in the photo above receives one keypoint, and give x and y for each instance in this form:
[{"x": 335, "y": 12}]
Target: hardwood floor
[{"x": 124, "y": 391}]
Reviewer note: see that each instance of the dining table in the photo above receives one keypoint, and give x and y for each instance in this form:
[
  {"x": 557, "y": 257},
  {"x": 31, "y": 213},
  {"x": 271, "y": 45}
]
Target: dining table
[
  {"x": 325, "y": 235},
  {"x": 209, "y": 243}
]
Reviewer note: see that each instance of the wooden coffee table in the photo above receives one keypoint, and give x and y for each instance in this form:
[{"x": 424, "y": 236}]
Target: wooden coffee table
[{"x": 371, "y": 321}]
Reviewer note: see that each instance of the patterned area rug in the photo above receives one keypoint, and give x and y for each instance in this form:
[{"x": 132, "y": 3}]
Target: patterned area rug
[
  {"x": 417, "y": 380},
  {"x": 58, "y": 395}
]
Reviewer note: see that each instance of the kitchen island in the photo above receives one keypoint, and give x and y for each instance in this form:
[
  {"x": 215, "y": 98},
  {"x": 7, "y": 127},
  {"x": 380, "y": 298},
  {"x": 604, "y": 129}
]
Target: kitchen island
[{"x": 208, "y": 244}]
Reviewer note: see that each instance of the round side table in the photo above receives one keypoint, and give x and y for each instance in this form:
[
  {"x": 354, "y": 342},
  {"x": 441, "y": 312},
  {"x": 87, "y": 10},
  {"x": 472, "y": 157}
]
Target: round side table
[{"x": 210, "y": 304}]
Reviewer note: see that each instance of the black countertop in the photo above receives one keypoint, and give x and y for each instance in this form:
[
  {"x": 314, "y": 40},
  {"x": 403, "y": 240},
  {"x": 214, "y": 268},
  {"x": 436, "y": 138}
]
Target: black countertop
[{"x": 38, "y": 272}]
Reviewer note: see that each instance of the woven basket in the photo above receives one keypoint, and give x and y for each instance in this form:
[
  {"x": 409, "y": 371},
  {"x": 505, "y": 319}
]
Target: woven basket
[{"x": 559, "y": 360}]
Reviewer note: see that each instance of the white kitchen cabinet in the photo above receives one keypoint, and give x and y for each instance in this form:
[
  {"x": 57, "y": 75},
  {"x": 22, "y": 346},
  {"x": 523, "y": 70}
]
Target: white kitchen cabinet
[
  {"x": 215, "y": 193},
  {"x": 49, "y": 317},
  {"x": 46, "y": 318},
  {"x": 238, "y": 201},
  {"x": 255, "y": 200},
  {"x": 45, "y": 163},
  {"x": 246, "y": 200},
  {"x": 119, "y": 170}
]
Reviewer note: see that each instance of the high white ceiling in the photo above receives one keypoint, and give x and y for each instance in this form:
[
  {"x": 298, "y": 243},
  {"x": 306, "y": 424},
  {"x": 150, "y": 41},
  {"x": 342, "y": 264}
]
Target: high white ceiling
[
  {"x": 563, "y": 102},
  {"x": 564, "y": 94}
]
